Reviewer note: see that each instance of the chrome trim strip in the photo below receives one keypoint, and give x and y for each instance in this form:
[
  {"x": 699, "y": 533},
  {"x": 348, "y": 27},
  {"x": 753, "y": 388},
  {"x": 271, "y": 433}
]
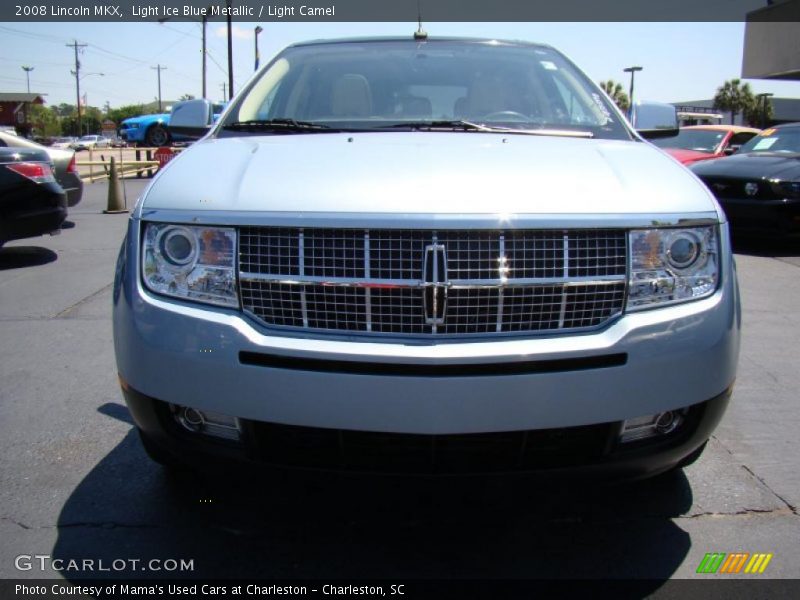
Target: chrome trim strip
[
  {"x": 368, "y": 291},
  {"x": 457, "y": 284},
  {"x": 502, "y": 270},
  {"x": 301, "y": 260},
  {"x": 429, "y": 221},
  {"x": 563, "y": 310}
]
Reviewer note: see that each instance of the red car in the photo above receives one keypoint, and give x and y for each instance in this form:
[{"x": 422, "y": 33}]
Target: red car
[{"x": 703, "y": 142}]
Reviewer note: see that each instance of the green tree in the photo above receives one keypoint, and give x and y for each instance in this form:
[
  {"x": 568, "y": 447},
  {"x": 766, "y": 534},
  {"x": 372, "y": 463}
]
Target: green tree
[
  {"x": 186, "y": 97},
  {"x": 45, "y": 121},
  {"x": 91, "y": 122},
  {"x": 64, "y": 109},
  {"x": 734, "y": 96},
  {"x": 118, "y": 115},
  {"x": 617, "y": 94},
  {"x": 760, "y": 114}
]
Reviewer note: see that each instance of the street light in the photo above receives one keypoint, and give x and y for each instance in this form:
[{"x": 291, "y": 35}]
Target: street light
[
  {"x": 632, "y": 71},
  {"x": 764, "y": 99},
  {"x": 28, "y": 76},
  {"x": 257, "y": 30}
]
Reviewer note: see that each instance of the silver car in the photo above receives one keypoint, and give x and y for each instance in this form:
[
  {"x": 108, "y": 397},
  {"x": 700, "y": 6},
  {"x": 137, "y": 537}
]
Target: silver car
[
  {"x": 426, "y": 256},
  {"x": 66, "y": 170},
  {"x": 90, "y": 142}
]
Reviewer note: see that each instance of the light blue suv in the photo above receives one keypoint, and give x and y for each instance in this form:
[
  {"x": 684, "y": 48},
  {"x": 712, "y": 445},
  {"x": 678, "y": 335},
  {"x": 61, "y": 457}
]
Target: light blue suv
[{"x": 426, "y": 256}]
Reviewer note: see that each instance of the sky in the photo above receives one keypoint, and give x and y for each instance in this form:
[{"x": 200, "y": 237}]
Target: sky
[{"x": 681, "y": 61}]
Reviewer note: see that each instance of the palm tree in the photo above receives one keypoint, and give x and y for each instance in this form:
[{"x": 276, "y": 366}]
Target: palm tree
[
  {"x": 734, "y": 96},
  {"x": 617, "y": 94}
]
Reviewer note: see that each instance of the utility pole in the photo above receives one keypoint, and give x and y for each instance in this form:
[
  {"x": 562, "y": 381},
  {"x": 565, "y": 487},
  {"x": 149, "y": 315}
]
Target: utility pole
[
  {"x": 230, "y": 51},
  {"x": 28, "y": 76},
  {"x": 159, "y": 68},
  {"x": 224, "y": 96},
  {"x": 77, "y": 73}
]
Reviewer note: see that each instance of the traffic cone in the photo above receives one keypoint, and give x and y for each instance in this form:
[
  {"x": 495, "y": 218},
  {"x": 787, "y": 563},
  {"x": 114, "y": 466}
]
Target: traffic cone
[{"x": 115, "y": 204}]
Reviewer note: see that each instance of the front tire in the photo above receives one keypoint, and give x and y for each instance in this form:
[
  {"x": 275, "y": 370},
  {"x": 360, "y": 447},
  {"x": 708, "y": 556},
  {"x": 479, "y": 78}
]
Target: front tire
[{"x": 157, "y": 136}]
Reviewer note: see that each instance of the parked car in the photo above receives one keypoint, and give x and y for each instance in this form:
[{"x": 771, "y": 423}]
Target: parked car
[
  {"x": 705, "y": 142},
  {"x": 90, "y": 142},
  {"x": 31, "y": 201},
  {"x": 154, "y": 130},
  {"x": 146, "y": 130},
  {"x": 63, "y": 143},
  {"x": 436, "y": 256},
  {"x": 66, "y": 170},
  {"x": 759, "y": 186}
]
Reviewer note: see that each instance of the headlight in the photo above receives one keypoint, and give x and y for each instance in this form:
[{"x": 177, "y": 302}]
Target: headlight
[
  {"x": 672, "y": 265},
  {"x": 194, "y": 263}
]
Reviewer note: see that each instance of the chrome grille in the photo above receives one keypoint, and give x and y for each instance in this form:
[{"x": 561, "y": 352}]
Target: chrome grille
[{"x": 373, "y": 281}]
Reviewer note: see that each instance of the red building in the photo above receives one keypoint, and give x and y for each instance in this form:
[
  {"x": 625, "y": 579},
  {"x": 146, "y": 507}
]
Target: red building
[{"x": 14, "y": 108}]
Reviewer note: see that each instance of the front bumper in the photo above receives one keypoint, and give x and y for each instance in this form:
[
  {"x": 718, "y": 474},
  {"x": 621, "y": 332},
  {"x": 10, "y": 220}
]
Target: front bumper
[
  {"x": 575, "y": 451},
  {"x": 218, "y": 360},
  {"x": 781, "y": 216}
]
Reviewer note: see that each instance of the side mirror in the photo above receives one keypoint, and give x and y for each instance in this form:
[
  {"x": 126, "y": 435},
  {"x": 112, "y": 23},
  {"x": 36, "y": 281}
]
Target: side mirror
[
  {"x": 654, "y": 120},
  {"x": 191, "y": 119}
]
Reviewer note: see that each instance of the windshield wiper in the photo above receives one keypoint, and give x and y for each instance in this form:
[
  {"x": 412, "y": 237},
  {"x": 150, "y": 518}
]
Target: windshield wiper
[
  {"x": 470, "y": 126},
  {"x": 452, "y": 124},
  {"x": 276, "y": 125}
]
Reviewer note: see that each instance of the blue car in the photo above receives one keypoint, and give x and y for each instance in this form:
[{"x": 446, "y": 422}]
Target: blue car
[
  {"x": 153, "y": 130},
  {"x": 146, "y": 130}
]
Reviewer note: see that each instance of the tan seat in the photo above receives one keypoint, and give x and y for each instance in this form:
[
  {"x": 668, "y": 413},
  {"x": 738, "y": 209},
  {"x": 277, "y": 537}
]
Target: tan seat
[{"x": 351, "y": 96}]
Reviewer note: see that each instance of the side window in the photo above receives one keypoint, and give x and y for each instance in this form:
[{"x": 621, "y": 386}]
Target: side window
[{"x": 739, "y": 139}]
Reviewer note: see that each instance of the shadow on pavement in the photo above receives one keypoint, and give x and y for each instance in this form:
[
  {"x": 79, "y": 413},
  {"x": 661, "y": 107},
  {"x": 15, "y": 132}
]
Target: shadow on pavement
[
  {"x": 271, "y": 524},
  {"x": 19, "y": 257}
]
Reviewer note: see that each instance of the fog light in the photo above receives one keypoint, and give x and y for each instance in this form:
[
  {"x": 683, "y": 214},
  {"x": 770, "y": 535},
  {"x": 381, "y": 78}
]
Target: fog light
[
  {"x": 207, "y": 422},
  {"x": 650, "y": 426}
]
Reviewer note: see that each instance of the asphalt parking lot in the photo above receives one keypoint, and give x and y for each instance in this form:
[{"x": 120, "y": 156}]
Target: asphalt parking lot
[{"x": 75, "y": 483}]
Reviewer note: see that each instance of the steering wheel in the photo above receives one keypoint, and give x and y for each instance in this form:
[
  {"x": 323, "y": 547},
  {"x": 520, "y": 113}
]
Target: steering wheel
[{"x": 507, "y": 115}]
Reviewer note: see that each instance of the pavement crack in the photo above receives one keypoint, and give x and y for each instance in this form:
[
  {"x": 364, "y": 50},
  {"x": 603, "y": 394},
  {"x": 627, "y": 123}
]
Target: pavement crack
[
  {"x": 83, "y": 301},
  {"x": 788, "y": 504},
  {"x": 792, "y": 508},
  {"x": 743, "y": 512},
  {"x": 17, "y": 523}
]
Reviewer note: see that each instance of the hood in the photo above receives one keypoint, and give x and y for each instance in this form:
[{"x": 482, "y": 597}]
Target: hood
[
  {"x": 688, "y": 156},
  {"x": 427, "y": 172},
  {"x": 145, "y": 119},
  {"x": 753, "y": 165}
]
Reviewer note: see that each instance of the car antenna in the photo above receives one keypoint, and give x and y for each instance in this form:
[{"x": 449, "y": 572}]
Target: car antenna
[{"x": 420, "y": 33}]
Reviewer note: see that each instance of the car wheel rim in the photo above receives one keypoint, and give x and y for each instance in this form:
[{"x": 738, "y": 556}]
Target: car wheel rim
[{"x": 158, "y": 137}]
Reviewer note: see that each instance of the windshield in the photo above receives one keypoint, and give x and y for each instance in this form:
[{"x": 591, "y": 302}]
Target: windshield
[
  {"x": 376, "y": 85},
  {"x": 774, "y": 140},
  {"x": 701, "y": 140}
]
